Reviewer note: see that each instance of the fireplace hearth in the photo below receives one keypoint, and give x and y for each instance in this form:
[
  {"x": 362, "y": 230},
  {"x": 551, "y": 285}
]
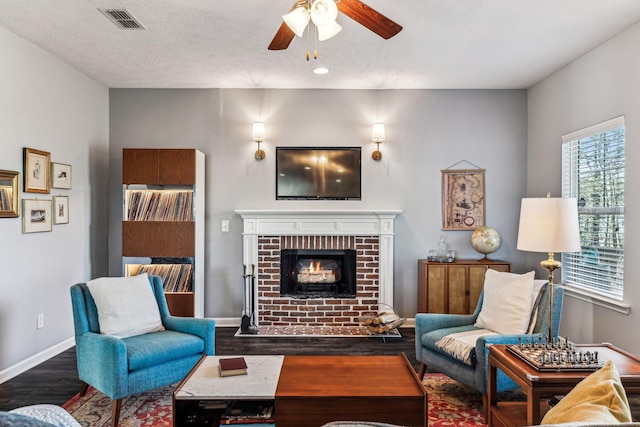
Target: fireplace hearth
[{"x": 318, "y": 273}]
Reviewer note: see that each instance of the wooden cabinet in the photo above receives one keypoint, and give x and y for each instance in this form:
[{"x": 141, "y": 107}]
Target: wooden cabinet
[
  {"x": 452, "y": 287},
  {"x": 149, "y": 166},
  {"x": 163, "y": 222}
]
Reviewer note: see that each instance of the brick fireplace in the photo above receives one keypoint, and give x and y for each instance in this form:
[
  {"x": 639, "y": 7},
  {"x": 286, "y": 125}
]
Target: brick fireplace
[{"x": 368, "y": 233}]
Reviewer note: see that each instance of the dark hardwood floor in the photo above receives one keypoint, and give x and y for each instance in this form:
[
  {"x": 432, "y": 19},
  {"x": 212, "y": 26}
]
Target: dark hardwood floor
[{"x": 56, "y": 380}]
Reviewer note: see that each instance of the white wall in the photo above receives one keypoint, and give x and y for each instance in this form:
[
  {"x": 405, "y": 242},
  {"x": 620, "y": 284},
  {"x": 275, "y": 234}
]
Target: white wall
[
  {"x": 601, "y": 85},
  {"x": 427, "y": 131},
  {"x": 47, "y": 105}
]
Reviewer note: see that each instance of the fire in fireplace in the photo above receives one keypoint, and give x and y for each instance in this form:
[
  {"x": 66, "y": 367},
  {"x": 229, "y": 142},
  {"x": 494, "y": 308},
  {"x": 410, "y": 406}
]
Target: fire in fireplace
[{"x": 318, "y": 273}]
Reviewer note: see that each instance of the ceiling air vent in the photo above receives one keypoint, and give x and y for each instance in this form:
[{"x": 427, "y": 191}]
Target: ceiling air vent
[{"x": 123, "y": 19}]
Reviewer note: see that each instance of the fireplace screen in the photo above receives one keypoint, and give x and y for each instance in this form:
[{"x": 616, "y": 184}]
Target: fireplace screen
[{"x": 317, "y": 273}]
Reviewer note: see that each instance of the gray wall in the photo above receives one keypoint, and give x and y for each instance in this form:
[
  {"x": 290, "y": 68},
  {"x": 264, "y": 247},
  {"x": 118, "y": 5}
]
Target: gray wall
[
  {"x": 47, "y": 105},
  {"x": 427, "y": 130},
  {"x": 601, "y": 85}
]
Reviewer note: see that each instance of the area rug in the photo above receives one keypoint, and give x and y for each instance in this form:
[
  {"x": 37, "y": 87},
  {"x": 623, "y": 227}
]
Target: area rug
[
  {"x": 146, "y": 409},
  {"x": 450, "y": 405}
]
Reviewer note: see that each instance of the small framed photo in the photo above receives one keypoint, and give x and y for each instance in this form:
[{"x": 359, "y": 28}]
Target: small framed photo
[
  {"x": 60, "y": 175},
  {"x": 60, "y": 210},
  {"x": 36, "y": 215},
  {"x": 9, "y": 194},
  {"x": 37, "y": 177}
]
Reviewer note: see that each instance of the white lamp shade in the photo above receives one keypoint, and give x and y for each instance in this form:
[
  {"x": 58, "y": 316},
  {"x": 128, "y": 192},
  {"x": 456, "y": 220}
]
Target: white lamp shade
[
  {"x": 549, "y": 224},
  {"x": 297, "y": 20},
  {"x": 327, "y": 31},
  {"x": 377, "y": 133},
  {"x": 324, "y": 12},
  {"x": 257, "y": 132}
]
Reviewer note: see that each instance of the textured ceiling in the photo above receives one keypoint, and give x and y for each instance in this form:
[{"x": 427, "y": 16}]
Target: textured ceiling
[{"x": 445, "y": 44}]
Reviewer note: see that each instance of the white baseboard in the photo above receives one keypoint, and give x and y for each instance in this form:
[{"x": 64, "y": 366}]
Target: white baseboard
[
  {"x": 227, "y": 322},
  {"x": 36, "y": 359},
  {"x": 410, "y": 323}
]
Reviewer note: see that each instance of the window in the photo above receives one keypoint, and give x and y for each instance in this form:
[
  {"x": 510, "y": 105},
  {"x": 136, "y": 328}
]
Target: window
[{"x": 593, "y": 162}]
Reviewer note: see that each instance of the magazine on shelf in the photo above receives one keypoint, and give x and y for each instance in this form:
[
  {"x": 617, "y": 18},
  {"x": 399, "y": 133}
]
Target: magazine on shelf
[{"x": 248, "y": 412}]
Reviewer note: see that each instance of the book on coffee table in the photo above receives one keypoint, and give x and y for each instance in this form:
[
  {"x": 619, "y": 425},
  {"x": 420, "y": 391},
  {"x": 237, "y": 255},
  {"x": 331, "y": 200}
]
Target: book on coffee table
[{"x": 232, "y": 366}]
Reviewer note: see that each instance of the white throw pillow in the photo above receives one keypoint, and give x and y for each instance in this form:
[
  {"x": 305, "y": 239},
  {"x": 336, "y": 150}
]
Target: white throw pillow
[
  {"x": 126, "y": 305},
  {"x": 506, "y": 307}
]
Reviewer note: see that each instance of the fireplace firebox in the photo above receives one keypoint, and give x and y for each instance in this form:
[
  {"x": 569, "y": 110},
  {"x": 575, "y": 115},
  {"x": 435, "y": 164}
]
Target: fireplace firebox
[{"x": 325, "y": 273}]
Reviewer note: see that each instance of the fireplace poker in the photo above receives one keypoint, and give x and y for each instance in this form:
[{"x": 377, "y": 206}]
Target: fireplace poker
[{"x": 247, "y": 325}]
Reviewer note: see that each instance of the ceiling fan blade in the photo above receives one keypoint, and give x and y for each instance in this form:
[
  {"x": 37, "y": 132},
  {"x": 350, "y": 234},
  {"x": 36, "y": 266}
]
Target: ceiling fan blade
[
  {"x": 370, "y": 18},
  {"x": 283, "y": 38}
]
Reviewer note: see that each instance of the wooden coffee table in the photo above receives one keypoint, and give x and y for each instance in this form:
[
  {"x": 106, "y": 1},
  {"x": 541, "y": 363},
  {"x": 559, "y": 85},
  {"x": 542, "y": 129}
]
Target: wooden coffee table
[
  {"x": 312, "y": 390},
  {"x": 538, "y": 385}
]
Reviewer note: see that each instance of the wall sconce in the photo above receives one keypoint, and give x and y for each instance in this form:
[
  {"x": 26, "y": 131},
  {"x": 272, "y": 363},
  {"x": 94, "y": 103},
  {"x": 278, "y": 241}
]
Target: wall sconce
[
  {"x": 377, "y": 136},
  {"x": 257, "y": 134}
]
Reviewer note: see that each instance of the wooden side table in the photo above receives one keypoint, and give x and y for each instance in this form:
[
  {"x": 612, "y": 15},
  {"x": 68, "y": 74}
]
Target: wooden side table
[{"x": 538, "y": 385}]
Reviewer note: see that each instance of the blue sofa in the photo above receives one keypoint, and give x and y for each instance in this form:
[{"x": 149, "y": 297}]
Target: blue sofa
[{"x": 123, "y": 367}]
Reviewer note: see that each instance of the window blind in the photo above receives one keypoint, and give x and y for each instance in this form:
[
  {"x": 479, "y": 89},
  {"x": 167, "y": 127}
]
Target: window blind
[{"x": 593, "y": 169}]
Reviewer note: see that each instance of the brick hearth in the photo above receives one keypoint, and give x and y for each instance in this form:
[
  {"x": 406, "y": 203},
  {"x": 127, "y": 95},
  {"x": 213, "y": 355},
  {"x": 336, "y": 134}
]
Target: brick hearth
[{"x": 276, "y": 310}]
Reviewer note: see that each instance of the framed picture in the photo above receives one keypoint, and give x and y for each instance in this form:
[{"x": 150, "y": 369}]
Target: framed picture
[
  {"x": 36, "y": 215},
  {"x": 37, "y": 177},
  {"x": 9, "y": 193},
  {"x": 463, "y": 200},
  {"x": 60, "y": 210},
  {"x": 60, "y": 175}
]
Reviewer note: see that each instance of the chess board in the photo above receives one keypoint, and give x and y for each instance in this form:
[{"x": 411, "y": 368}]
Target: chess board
[{"x": 556, "y": 358}]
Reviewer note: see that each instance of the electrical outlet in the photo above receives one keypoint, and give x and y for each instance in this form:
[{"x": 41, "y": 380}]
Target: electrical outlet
[
  {"x": 224, "y": 225},
  {"x": 40, "y": 320}
]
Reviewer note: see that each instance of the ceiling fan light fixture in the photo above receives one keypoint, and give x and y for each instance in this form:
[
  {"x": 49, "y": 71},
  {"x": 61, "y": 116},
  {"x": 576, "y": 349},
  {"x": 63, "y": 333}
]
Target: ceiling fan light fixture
[
  {"x": 325, "y": 12},
  {"x": 297, "y": 20}
]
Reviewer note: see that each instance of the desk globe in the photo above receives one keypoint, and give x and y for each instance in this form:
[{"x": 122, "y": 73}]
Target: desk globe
[{"x": 485, "y": 240}]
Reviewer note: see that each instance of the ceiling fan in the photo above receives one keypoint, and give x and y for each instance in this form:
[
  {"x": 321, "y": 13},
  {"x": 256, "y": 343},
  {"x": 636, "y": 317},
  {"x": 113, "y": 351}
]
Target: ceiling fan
[{"x": 322, "y": 13}]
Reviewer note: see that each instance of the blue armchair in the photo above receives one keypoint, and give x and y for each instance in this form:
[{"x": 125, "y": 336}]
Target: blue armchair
[
  {"x": 431, "y": 327},
  {"x": 123, "y": 367}
]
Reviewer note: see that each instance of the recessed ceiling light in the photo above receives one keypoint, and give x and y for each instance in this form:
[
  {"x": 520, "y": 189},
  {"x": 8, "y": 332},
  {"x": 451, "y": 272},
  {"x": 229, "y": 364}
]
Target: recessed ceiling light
[{"x": 320, "y": 70}]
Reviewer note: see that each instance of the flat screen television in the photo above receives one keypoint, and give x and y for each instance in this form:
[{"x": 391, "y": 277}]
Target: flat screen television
[{"x": 318, "y": 173}]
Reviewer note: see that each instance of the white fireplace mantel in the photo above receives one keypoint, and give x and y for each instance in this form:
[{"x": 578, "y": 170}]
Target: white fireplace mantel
[{"x": 324, "y": 223}]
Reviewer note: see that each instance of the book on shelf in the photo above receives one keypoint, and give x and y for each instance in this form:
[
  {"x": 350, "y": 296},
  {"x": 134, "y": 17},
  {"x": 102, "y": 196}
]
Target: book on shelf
[
  {"x": 213, "y": 405},
  {"x": 232, "y": 366},
  {"x": 148, "y": 205},
  {"x": 175, "y": 277},
  {"x": 248, "y": 413}
]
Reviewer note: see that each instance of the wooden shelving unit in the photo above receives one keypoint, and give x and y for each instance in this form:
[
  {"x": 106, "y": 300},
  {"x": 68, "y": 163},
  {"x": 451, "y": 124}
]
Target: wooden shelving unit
[{"x": 163, "y": 222}]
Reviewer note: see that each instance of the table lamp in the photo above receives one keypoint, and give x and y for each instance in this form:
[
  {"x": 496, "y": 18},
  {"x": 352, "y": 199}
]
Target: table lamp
[{"x": 549, "y": 225}]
